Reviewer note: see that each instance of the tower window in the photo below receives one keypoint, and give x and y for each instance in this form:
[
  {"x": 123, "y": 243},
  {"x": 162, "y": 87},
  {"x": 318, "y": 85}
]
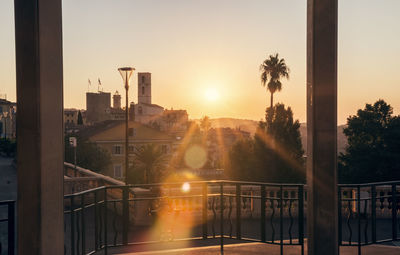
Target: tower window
[
  {"x": 143, "y": 79},
  {"x": 143, "y": 90}
]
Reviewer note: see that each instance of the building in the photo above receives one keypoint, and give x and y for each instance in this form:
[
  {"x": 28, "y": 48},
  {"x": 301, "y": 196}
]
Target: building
[
  {"x": 8, "y": 111},
  {"x": 170, "y": 121},
  {"x": 145, "y": 111},
  {"x": 71, "y": 117},
  {"x": 110, "y": 135},
  {"x": 117, "y": 100},
  {"x": 97, "y": 107}
]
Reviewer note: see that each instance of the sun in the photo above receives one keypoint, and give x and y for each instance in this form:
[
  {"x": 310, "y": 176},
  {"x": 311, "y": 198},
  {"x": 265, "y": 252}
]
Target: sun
[{"x": 211, "y": 94}]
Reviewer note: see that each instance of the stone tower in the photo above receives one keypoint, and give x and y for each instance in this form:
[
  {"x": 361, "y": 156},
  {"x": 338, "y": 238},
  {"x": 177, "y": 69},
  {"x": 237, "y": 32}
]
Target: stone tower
[
  {"x": 144, "y": 88},
  {"x": 117, "y": 100}
]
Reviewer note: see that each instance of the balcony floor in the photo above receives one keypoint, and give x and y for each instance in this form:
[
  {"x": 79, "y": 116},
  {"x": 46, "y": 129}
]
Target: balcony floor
[{"x": 258, "y": 248}]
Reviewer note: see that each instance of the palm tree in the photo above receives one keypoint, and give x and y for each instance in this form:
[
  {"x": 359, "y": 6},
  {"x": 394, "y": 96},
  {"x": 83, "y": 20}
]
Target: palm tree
[
  {"x": 152, "y": 158},
  {"x": 272, "y": 69}
]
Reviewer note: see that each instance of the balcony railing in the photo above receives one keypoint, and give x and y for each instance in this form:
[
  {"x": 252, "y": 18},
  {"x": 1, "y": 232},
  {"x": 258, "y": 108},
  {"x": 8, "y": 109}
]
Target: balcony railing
[
  {"x": 113, "y": 216},
  {"x": 368, "y": 213},
  {"x": 7, "y": 234},
  {"x": 218, "y": 211}
]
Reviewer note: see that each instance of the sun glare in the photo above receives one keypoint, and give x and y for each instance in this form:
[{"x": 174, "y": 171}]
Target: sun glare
[
  {"x": 185, "y": 187},
  {"x": 211, "y": 94}
]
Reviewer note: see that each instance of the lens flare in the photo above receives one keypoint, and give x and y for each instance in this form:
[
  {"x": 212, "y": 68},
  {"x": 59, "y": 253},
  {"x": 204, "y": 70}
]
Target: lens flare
[
  {"x": 195, "y": 157},
  {"x": 185, "y": 187}
]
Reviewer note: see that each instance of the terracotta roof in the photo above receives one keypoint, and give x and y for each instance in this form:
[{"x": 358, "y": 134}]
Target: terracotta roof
[
  {"x": 115, "y": 131},
  {"x": 152, "y": 105}
]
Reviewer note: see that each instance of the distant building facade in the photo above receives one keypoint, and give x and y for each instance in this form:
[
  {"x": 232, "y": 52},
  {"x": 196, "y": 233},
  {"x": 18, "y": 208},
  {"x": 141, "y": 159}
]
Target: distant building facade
[
  {"x": 110, "y": 135},
  {"x": 8, "y": 111}
]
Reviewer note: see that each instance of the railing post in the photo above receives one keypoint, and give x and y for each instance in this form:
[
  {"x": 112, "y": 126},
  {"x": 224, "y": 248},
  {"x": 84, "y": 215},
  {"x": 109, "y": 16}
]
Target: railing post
[
  {"x": 339, "y": 215},
  {"x": 96, "y": 221},
  {"x": 238, "y": 211},
  {"x": 72, "y": 226},
  {"x": 11, "y": 228},
  {"x": 263, "y": 195},
  {"x": 394, "y": 212},
  {"x": 125, "y": 214},
  {"x": 205, "y": 212},
  {"x": 105, "y": 221},
  {"x": 222, "y": 216},
  {"x": 373, "y": 212},
  {"x": 359, "y": 218},
  {"x": 281, "y": 218},
  {"x": 300, "y": 197},
  {"x": 83, "y": 222}
]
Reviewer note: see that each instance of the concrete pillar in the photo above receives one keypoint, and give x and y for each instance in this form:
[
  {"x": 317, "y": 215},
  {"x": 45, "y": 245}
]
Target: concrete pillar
[
  {"x": 322, "y": 220},
  {"x": 38, "y": 37}
]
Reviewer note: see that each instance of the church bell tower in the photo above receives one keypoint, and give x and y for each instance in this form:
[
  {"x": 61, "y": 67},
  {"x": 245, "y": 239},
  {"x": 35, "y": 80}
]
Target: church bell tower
[{"x": 144, "y": 88}]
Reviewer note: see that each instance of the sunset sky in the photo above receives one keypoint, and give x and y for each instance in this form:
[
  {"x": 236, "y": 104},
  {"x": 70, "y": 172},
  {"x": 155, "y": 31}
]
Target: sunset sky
[{"x": 204, "y": 55}]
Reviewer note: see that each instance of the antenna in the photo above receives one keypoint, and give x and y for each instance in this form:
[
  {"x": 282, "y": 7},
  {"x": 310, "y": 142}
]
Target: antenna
[
  {"x": 88, "y": 86},
  {"x": 99, "y": 85}
]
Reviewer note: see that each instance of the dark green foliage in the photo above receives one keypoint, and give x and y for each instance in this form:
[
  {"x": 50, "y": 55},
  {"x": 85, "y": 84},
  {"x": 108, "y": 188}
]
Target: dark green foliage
[
  {"x": 151, "y": 161},
  {"x": 80, "y": 120},
  {"x": 373, "y": 152},
  {"x": 274, "y": 155},
  {"x": 88, "y": 155},
  {"x": 135, "y": 175}
]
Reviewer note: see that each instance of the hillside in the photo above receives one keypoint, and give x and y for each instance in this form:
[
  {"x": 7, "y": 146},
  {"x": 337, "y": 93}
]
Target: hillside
[{"x": 251, "y": 126}]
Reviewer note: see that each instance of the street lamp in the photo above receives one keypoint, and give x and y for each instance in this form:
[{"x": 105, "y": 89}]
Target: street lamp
[{"x": 126, "y": 73}]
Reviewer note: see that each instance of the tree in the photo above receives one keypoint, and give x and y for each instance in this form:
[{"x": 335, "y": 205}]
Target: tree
[
  {"x": 272, "y": 70},
  {"x": 80, "y": 120},
  {"x": 373, "y": 151},
  {"x": 205, "y": 124},
  {"x": 88, "y": 155},
  {"x": 275, "y": 154},
  {"x": 151, "y": 158}
]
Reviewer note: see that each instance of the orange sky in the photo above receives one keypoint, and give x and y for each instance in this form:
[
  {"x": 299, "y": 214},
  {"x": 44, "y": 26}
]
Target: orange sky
[{"x": 193, "y": 46}]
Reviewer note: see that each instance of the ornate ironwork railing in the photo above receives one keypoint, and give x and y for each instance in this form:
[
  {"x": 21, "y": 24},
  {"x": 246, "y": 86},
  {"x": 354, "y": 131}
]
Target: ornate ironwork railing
[
  {"x": 368, "y": 213},
  {"x": 118, "y": 215},
  {"x": 113, "y": 216},
  {"x": 7, "y": 216}
]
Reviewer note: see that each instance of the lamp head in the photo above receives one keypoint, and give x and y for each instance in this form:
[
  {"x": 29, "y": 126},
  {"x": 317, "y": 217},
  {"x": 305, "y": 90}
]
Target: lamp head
[{"x": 126, "y": 73}]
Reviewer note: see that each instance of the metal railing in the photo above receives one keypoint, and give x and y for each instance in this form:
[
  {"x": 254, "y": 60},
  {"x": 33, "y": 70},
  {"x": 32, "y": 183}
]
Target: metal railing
[
  {"x": 113, "y": 216},
  {"x": 7, "y": 208},
  {"x": 368, "y": 213}
]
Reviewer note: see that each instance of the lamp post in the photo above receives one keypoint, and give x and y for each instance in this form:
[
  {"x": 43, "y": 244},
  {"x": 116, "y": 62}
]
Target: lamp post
[{"x": 126, "y": 73}]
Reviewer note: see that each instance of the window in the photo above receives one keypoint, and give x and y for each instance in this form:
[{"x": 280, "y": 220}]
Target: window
[
  {"x": 143, "y": 79},
  {"x": 131, "y": 149},
  {"x": 143, "y": 90},
  {"x": 117, "y": 150},
  {"x": 132, "y": 132},
  {"x": 118, "y": 171}
]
